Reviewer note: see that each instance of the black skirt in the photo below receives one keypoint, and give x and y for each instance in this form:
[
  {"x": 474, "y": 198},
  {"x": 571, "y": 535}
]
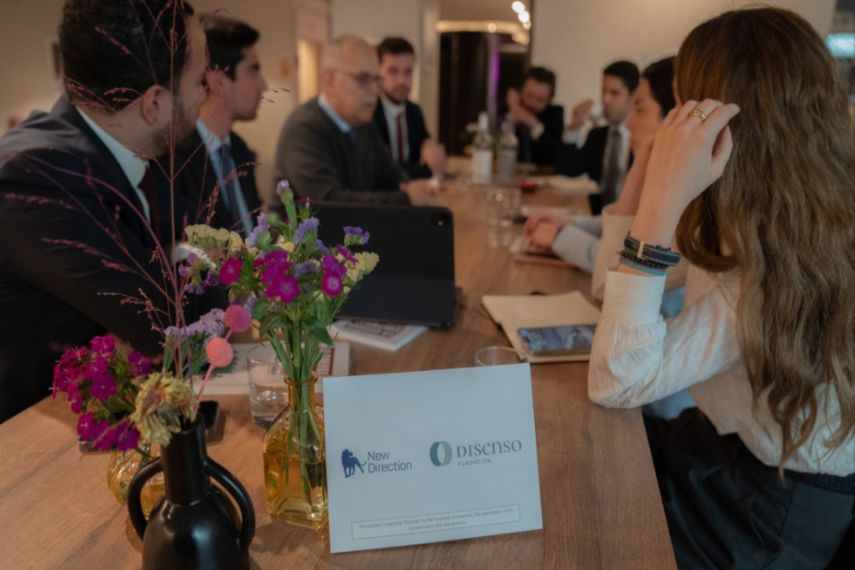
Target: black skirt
[{"x": 726, "y": 509}]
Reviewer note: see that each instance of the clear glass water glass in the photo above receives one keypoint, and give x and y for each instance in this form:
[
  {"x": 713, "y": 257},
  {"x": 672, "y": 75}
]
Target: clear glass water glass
[
  {"x": 503, "y": 204},
  {"x": 268, "y": 392},
  {"x": 498, "y": 356}
]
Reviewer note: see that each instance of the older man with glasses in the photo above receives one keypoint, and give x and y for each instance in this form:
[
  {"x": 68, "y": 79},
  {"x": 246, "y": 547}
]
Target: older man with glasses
[{"x": 329, "y": 149}]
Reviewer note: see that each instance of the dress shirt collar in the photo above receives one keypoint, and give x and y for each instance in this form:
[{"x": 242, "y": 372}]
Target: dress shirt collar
[
  {"x": 343, "y": 125},
  {"x": 131, "y": 164},
  {"x": 212, "y": 142},
  {"x": 391, "y": 108}
]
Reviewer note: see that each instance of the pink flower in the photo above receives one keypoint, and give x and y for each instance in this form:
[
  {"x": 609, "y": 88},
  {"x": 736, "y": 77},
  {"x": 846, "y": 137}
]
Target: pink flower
[
  {"x": 331, "y": 284},
  {"x": 238, "y": 318},
  {"x": 86, "y": 426},
  {"x": 75, "y": 398},
  {"x": 126, "y": 437},
  {"x": 140, "y": 365},
  {"x": 332, "y": 265},
  {"x": 103, "y": 436},
  {"x": 103, "y": 386},
  {"x": 286, "y": 289},
  {"x": 103, "y": 345},
  {"x": 230, "y": 271},
  {"x": 96, "y": 367},
  {"x": 220, "y": 352}
]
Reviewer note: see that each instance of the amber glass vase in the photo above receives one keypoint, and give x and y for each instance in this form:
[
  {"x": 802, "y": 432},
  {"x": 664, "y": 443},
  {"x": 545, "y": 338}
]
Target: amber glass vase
[
  {"x": 295, "y": 474},
  {"x": 122, "y": 468}
]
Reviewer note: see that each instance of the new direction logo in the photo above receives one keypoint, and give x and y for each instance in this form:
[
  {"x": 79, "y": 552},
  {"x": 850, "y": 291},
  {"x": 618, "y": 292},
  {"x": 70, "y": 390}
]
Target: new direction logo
[
  {"x": 442, "y": 452},
  {"x": 376, "y": 462}
]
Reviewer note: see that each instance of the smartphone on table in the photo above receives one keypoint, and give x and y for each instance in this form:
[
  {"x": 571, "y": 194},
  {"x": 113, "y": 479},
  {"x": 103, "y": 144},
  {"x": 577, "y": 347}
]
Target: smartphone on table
[{"x": 563, "y": 340}]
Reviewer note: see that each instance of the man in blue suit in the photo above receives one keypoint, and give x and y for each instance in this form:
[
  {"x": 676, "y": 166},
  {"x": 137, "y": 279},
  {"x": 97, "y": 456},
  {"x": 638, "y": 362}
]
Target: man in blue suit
[
  {"x": 78, "y": 207},
  {"x": 399, "y": 120}
]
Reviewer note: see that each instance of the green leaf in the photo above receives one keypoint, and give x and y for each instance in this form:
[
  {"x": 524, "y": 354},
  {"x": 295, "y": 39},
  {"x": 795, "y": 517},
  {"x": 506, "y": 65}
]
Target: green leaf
[{"x": 319, "y": 331}]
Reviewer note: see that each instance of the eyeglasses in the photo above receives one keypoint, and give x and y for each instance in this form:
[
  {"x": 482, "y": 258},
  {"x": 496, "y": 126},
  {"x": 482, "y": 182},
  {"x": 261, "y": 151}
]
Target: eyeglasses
[{"x": 364, "y": 79}]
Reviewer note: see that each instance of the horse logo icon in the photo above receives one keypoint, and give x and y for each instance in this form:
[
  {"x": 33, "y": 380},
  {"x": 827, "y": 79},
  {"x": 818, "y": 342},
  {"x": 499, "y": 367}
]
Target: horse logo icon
[{"x": 350, "y": 462}]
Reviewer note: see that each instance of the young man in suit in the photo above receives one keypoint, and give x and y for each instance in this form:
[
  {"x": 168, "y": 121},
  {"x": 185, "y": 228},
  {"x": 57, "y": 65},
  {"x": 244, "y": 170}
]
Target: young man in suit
[
  {"x": 399, "y": 120},
  {"x": 329, "y": 148},
  {"x": 217, "y": 158},
  {"x": 76, "y": 191},
  {"x": 539, "y": 123},
  {"x": 605, "y": 155}
]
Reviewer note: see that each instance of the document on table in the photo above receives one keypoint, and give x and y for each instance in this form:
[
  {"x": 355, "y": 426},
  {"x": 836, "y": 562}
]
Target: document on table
[{"x": 423, "y": 457}]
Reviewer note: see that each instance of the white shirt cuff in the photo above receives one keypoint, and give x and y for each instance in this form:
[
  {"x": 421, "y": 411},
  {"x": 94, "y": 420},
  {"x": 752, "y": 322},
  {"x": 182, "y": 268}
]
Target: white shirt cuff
[
  {"x": 633, "y": 299},
  {"x": 537, "y": 130}
]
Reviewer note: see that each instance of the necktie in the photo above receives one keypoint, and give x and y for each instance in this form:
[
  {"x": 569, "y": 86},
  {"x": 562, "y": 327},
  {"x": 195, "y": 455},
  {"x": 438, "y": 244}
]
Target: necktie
[
  {"x": 230, "y": 187},
  {"x": 400, "y": 133},
  {"x": 608, "y": 189}
]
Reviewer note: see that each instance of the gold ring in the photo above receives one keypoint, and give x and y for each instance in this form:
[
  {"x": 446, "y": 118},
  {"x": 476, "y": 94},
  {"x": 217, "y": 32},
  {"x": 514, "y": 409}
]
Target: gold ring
[{"x": 697, "y": 112}]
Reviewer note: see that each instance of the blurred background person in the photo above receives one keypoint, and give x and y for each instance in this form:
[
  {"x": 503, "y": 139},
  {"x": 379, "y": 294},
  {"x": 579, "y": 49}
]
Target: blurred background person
[
  {"x": 399, "y": 120},
  {"x": 539, "y": 124}
]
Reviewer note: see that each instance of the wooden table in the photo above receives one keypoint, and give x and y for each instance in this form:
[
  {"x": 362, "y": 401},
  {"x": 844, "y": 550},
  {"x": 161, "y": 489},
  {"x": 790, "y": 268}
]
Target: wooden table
[{"x": 600, "y": 503}]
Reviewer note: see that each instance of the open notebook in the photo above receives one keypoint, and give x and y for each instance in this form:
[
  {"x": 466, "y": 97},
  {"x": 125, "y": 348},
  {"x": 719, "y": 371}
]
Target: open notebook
[{"x": 515, "y": 311}]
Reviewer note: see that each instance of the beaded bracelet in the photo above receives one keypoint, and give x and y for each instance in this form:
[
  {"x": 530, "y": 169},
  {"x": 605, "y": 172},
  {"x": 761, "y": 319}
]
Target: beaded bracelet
[
  {"x": 649, "y": 252},
  {"x": 639, "y": 267}
]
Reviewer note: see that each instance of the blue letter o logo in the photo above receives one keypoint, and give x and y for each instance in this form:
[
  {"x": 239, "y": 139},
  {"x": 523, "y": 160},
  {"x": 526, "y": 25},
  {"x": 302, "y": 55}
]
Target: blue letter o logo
[{"x": 435, "y": 453}]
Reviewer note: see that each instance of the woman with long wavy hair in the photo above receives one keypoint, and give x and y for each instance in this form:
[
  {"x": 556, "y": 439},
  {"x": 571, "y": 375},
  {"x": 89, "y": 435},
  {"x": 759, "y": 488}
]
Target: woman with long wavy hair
[{"x": 755, "y": 175}]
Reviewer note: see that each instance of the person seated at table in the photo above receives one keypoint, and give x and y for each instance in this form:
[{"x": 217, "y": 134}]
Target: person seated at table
[
  {"x": 329, "y": 148},
  {"x": 605, "y": 155},
  {"x": 753, "y": 174},
  {"x": 539, "y": 124},
  {"x": 76, "y": 189},
  {"x": 577, "y": 241},
  {"x": 216, "y": 156},
  {"x": 399, "y": 120}
]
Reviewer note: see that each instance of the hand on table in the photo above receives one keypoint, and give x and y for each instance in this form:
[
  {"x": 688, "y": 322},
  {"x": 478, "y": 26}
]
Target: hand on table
[
  {"x": 433, "y": 155},
  {"x": 422, "y": 191}
]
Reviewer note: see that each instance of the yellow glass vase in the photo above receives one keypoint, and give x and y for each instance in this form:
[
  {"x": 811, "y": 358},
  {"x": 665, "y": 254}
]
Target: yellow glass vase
[
  {"x": 121, "y": 470},
  {"x": 295, "y": 476}
]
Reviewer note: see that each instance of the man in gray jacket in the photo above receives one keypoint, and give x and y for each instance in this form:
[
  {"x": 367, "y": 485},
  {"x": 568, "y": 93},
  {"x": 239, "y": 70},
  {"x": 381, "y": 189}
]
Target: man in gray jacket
[{"x": 329, "y": 148}]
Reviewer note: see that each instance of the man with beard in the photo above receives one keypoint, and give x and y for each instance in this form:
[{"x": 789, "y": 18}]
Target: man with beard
[
  {"x": 216, "y": 157},
  {"x": 329, "y": 149},
  {"x": 76, "y": 187},
  {"x": 539, "y": 124},
  {"x": 399, "y": 120}
]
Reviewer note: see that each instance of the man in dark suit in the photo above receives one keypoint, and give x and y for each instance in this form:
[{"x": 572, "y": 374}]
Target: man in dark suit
[
  {"x": 399, "y": 120},
  {"x": 539, "y": 123},
  {"x": 605, "y": 155},
  {"x": 217, "y": 158},
  {"x": 76, "y": 199},
  {"x": 329, "y": 149}
]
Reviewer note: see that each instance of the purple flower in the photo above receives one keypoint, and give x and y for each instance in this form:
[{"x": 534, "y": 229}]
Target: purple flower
[
  {"x": 305, "y": 268},
  {"x": 331, "y": 284},
  {"x": 230, "y": 271},
  {"x": 195, "y": 289},
  {"x": 321, "y": 247},
  {"x": 86, "y": 426},
  {"x": 103, "y": 436},
  {"x": 282, "y": 187},
  {"x": 96, "y": 367},
  {"x": 261, "y": 226},
  {"x": 355, "y": 236},
  {"x": 126, "y": 436},
  {"x": 345, "y": 253},
  {"x": 103, "y": 345},
  {"x": 332, "y": 265},
  {"x": 305, "y": 227},
  {"x": 286, "y": 289},
  {"x": 75, "y": 399},
  {"x": 140, "y": 365},
  {"x": 103, "y": 386}
]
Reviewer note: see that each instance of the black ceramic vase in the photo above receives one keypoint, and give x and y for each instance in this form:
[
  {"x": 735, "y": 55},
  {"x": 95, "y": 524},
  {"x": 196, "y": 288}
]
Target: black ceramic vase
[{"x": 195, "y": 525}]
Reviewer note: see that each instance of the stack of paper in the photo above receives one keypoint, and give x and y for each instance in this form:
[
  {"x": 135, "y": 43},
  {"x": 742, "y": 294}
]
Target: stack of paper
[
  {"x": 386, "y": 336},
  {"x": 515, "y": 311},
  {"x": 235, "y": 378}
]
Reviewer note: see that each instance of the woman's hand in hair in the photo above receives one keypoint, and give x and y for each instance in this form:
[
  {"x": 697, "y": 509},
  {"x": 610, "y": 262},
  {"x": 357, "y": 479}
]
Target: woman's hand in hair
[{"x": 688, "y": 155}]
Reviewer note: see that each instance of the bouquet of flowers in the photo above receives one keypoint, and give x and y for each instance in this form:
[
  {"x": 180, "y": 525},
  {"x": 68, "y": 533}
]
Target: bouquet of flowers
[{"x": 295, "y": 285}]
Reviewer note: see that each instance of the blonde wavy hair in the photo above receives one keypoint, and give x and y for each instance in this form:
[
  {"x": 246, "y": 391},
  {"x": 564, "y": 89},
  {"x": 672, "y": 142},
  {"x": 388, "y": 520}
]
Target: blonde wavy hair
[{"x": 783, "y": 213}]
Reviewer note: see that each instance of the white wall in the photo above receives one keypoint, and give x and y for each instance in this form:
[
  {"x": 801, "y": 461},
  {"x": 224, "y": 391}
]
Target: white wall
[
  {"x": 414, "y": 20},
  {"x": 577, "y": 38}
]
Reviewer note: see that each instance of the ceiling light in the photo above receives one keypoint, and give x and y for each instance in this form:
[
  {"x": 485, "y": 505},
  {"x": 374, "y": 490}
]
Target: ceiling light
[
  {"x": 518, "y": 6},
  {"x": 524, "y": 17}
]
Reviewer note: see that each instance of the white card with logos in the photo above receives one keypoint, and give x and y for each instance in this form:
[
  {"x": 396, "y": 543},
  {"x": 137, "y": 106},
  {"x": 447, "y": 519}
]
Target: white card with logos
[{"x": 431, "y": 456}]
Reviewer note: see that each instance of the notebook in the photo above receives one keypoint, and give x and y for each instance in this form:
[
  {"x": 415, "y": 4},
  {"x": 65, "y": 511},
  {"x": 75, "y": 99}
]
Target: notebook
[
  {"x": 414, "y": 281},
  {"x": 513, "y": 312}
]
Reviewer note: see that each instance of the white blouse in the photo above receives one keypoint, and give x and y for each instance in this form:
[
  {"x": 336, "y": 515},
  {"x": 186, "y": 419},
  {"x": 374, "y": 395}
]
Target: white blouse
[{"x": 638, "y": 357}]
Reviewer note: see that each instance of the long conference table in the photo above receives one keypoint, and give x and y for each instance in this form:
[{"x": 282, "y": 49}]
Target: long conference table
[{"x": 600, "y": 501}]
